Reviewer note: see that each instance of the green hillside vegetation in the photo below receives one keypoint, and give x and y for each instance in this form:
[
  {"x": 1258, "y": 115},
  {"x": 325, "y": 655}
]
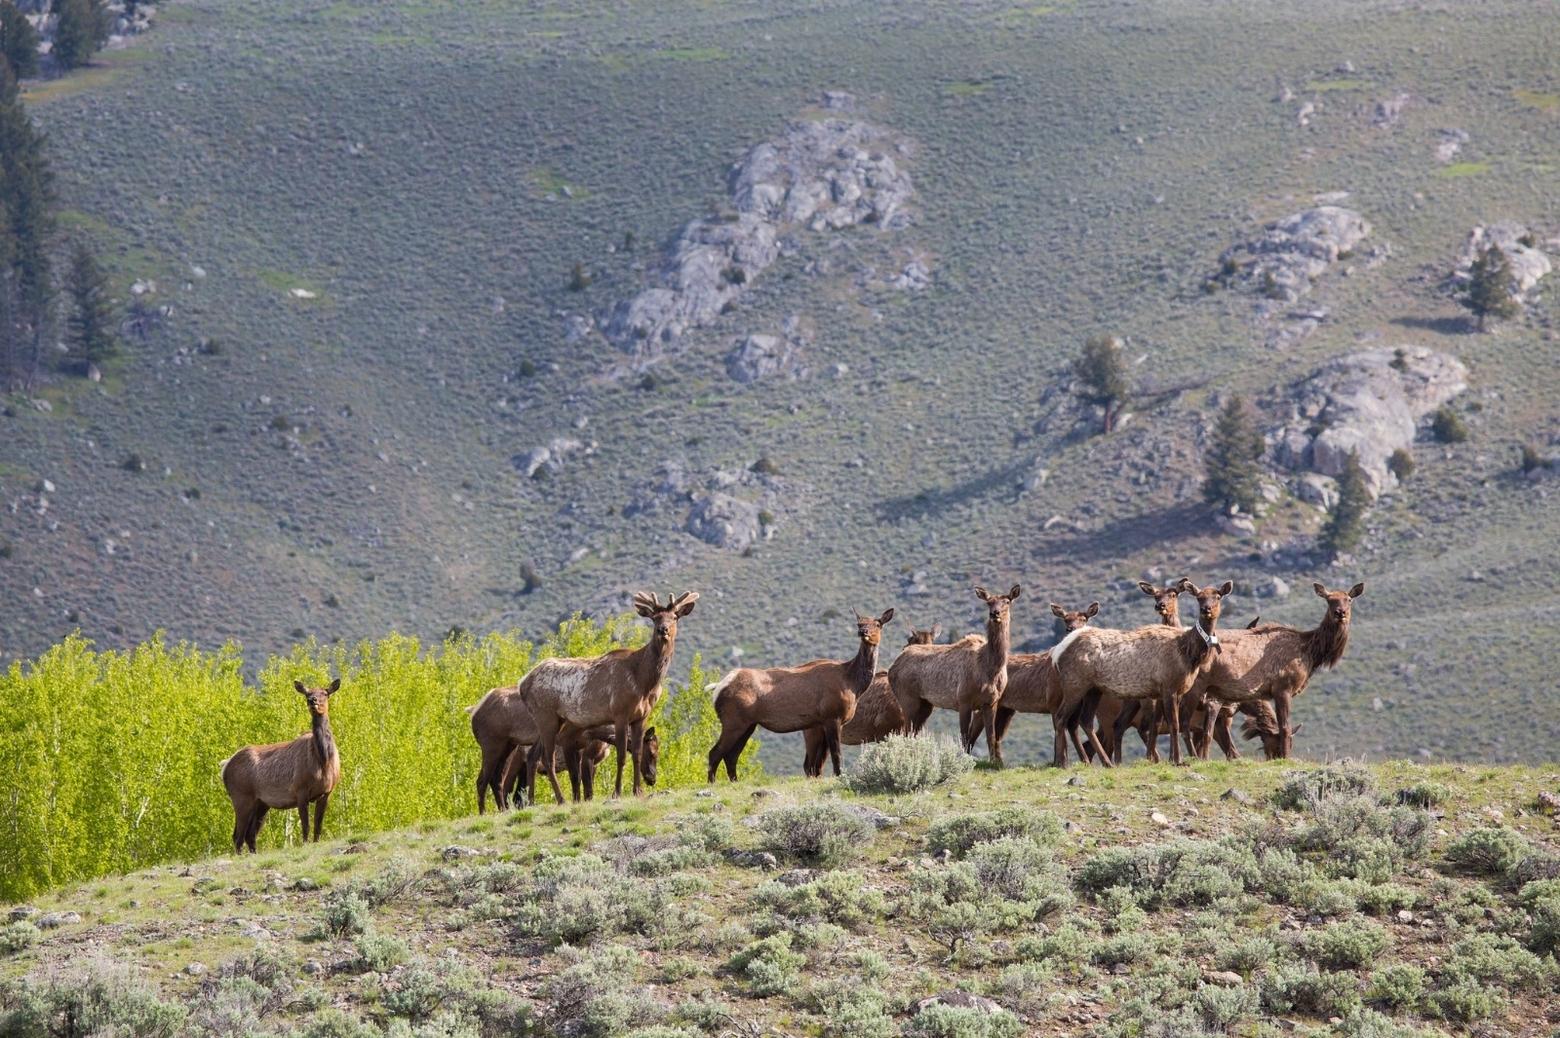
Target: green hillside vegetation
[
  {"x": 113, "y": 759},
  {"x": 1249, "y": 899},
  {"x": 265, "y": 467}
]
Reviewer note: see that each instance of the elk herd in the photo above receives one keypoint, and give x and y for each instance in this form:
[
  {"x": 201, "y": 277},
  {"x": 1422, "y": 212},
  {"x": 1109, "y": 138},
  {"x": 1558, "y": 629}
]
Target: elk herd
[{"x": 1096, "y": 684}]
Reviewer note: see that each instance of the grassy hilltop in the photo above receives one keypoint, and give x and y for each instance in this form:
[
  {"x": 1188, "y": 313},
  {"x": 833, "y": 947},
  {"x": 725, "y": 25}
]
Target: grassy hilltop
[
  {"x": 1247, "y": 899},
  {"x": 365, "y": 218}
]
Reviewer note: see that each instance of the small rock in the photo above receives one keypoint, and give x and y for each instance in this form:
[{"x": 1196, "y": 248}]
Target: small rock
[
  {"x": 54, "y": 920},
  {"x": 22, "y": 912},
  {"x": 455, "y": 853},
  {"x": 314, "y": 967},
  {"x": 1159, "y": 819},
  {"x": 959, "y": 1000},
  {"x": 754, "y": 860},
  {"x": 1077, "y": 780},
  {"x": 195, "y": 969},
  {"x": 305, "y": 883},
  {"x": 1405, "y": 916},
  {"x": 1224, "y": 977},
  {"x": 1549, "y": 801},
  {"x": 304, "y": 293}
]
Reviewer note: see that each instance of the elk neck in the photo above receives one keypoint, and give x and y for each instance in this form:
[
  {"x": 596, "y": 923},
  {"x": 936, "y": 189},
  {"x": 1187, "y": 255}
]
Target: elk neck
[
  {"x": 324, "y": 740},
  {"x": 995, "y": 651},
  {"x": 1195, "y": 643},
  {"x": 1325, "y": 643},
  {"x": 862, "y": 668},
  {"x": 654, "y": 659}
]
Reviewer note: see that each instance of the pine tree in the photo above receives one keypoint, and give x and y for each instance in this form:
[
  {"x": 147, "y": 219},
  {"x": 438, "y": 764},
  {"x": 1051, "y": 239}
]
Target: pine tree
[
  {"x": 90, "y": 326},
  {"x": 1233, "y": 461},
  {"x": 1102, "y": 370},
  {"x": 26, "y": 225},
  {"x": 18, "y": 41},
  {"x": 1347, "y": 523},
  {"x": 81, "y": 30},
  {"x": 1492, "y": 288}
]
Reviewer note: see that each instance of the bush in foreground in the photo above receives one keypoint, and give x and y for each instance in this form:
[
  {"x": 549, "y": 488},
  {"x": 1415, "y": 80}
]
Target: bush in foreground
[
  {"x": 907, "y": 764},
  {"x": 818, "y": 832}
]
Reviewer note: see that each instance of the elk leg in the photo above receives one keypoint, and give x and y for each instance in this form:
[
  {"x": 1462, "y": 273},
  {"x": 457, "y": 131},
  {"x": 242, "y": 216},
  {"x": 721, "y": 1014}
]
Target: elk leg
[
  {"x": 1124, "y": 720},
  {"x": 547, "y": 745},
  {"x": 636, "y": 742},
  {"x": 1285, "y": 736},
  {"x": 620, "y": 743},
  {"x": 831, "y": 735},
  {"x": 993, "y": 740},
  {"x": 572, "y": 759},
  {"x": 303, "y": 819},
  {"x": 515, "y": 772},
  {"x": 1059, "y": 727},
  {"x": 588, "y": 775},
  {"x": 814, "y": 746},
  {"x": 256, "y": 818},
  {"x": 1203, "y": 736},
  {"x": 923, "y": 710},
  {"x": 242, "y": 812},
  {"x": 1221, "y": 735},
  {"x": 1172, "y": 709},
  {"x": 1090, "y": 704},
  {"x": 735, "y": 753},
  {"x": 1005, "y": 716},
  {"x": 319, "y": 815}
]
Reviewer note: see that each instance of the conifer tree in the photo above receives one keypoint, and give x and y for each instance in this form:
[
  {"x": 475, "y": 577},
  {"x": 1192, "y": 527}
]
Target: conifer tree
[
  {"x": 26, "y": 228},
  {"x": 18, "y": 41},
  {"x": 90, "y": 325},
  {"x": 1233, "y": 461},
  {"x": 81, "y": 29},
  {"x": 1492, "y": 288},
  {"x": 1102, "y": 372},
  {"x": 1347, "y": 523}
]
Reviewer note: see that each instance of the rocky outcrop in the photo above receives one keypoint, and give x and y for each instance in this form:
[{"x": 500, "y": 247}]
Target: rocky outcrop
[
  {"x": 764, "y": 356},
  {"x": 1284, "y": 262},
  {"x": 819, "y": 175},
  {"x": 1369, "y": 403},
  {"x": 1529, "y": 263},
  {"x": 1448, "y": 143},
  {"x": 726, "y": 521},
  {"x": 730, "y": 509},
  {"x": 548, "y": 459}
]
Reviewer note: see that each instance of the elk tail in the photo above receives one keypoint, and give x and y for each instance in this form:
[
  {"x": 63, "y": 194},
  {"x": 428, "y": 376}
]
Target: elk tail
[
  {"x": 1063, "y": 645},
  {"x": 720, "y": 686}
]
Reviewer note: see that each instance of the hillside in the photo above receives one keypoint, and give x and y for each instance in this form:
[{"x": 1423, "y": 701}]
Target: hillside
[
  {"x": 365, "y": 221},
  {"x": 1254, "y": 899}
]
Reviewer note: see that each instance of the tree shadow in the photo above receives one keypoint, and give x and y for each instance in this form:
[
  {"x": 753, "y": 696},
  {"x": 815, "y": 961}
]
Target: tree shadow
[
  {"x": 1439, "y": 325},
  {"x": 1130, "y": 534},
  {"x": 932, "y": 501}
]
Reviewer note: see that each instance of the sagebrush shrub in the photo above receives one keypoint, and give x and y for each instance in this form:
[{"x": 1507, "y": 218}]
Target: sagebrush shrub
[
  {"x": 944, "y": 1021},
  {"x": 380, "y": 953},
  {"x": 768, "y": 966},
  {"x": 820, "y": 832},
  {"x": 838, "y": 897},
  {"x": 1019, "y": 870},
  {"x": 1541, "y": 898},
  {"x": 906, "y": 764},
  {"x": 1398, "y": 986},
  {"x": 1181, "y": 872},
  {"x": 344, "y": 914},
  {"x": 958, "y": 833},
  {"x": 578, "y": 899},
  {"x": 1423, "y": 794},
  {"x": 1489, "y": 851},
  {"x": 851, "y": 1009},
  {"x": 1306, "y": 989},
  {"x": 1464, "y": 1001},
  {"x": 1497, "y": 959},
  {"x": 1245, "y": 956},
  {"x": 1346, "y": 945},
  {"x": 593, "y": 995},
  {"x": 16, "y": 936},
  {"x": 98, "y": 998},
  {"x": 1221, "y": 1008},
  {"x": 1362, "y": 1023},
  {"x": 1304, "y": 789}
]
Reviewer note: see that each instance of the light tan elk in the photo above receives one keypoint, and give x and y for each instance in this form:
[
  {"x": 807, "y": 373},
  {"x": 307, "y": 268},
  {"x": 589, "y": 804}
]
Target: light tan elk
[
  {"x": 285, "y": 774},
  {"x": 1158, "y": 663},
  {"x": 1275, "y": 662},
  {"x": 877, "y": 715},
  {"x": 1032, "y": 685},
  {"x": 505, "y": 732},
  {"x": 819, "y": 694},
  {"x": 619, "y": 688},
  {"x": 1116, "y": 717},
  {"x": 969, "y": 676}
]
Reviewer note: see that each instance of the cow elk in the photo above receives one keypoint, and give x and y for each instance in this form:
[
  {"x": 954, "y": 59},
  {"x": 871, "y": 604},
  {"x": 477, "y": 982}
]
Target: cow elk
[
  {"x": 617, "y": 688},
  {"x": 877, "y": 715},
  {"x": 969, "y": 676},
  {"x": 1032, "y": 686},
  {"x": 285, "y": 774},
  {"x": 818, "y": 694},
  {"x": 1155, "y": 664}
]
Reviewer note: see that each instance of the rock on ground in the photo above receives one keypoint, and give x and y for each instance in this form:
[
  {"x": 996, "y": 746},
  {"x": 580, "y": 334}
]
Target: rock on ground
[
  {"x": 819, "y": 175},
  {"x": 1369, "y": 402},
  {"x": 761, "y": 356},
  {"x": 1529, "y": 263},
  {"x": 1292, "y": 253}
]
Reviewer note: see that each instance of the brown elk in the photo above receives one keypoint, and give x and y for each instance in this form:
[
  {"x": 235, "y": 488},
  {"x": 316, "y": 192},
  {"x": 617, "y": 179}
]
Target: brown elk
[
  {"x": 1262, "y": 723},
  {"x": 505, "y": 732},
  {"x": 1157, "y": 663},
  {"x": 968, "y": 676},
  {"x": 1032, "y": 687},
  {"x": 619, "y": 687},
  {"x": 877, "y": 715},
  {"x": 818, "y": 694},
  {"x": 1275, "y": 662},
  {"x": 1116, "y": 717},
  {"x": 285, "y": 774}
]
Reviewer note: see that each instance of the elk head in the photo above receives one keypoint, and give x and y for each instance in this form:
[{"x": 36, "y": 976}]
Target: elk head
[
  {"x": 318, "y": 698},
  {"x": 997, "y": 605},
  {"x": 1167, "y": 600},
  {"x": 870, "y": 629},
  {"x": 1340, "y": 604},
  {"x": 1073, "y": 621},
  {"x": 649, "y": 754},
  {"x": 664, "y": 617},
  {"x": 1210, "y": 601},
  {"x": 924, "y": 637}
]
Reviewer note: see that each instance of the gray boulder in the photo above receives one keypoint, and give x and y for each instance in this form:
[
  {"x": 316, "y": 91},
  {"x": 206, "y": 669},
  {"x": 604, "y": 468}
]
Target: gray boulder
[
  {"x": 725, "y": 521},
  {"x": 1368, "y": 402},
  {"x": 1529, "y": 263},
  {"x": 1448, "y": 143},
  {"x": 1284, "y": 262},
  {"x": 548, "y": 459},
  {"x": 763, "y": 356}
]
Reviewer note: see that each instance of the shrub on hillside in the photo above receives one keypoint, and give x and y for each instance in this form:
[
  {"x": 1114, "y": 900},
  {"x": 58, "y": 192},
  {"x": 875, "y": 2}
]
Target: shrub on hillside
[
  {"x": 1346, "y": 945},
  {"x": 945, "y": 1021},
  {"x": 1181, "y": 872},
  {"x": 593, "y": 996},
  {"x": 1489, "y": 851},
  {"x": 958, "y": 833},
  {"x": 837, "y": 897},
  {"x": 1301, "y": 790},
  {"x": 852, "y": 1009},
  {"x": 1542, "y": 901},
  {"x": 1246, "y": 956},
  {"x": 907, "y": 764},
  {"x": 16, "y": 936},
  {"x": 768, "y": 966},
  {"x": 99, "y": 998},
  {"x": 578, "y": 899},
  {"x": 1398, "y": 986},
  {"x": 1020, "y": 870},
  {"x": 1221, "y": 1008},
  {"x": 1304, "y": 988},
  {"x": 1423, "y": 794},
  {"x": 818, "y": 832}
]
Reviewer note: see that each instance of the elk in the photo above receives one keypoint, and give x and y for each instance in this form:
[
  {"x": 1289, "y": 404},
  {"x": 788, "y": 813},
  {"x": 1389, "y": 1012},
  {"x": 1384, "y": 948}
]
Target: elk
[
  {"x": 968, "y": 676},
  {"x": 1116, "y": 717},
  {"x": 818, "y": 694},
  {"x": 619, "y": 687},
  {"x": 505, "y": 732},
  {"x": 1157, "y": 663},
  {"x": 285, "y": 774},
  {"x": 1032, "y": 687},
  {"x": 877, "y": 715},
  {"x": 1275, "y": 662},
  {"x": 1262, "y": 723}
]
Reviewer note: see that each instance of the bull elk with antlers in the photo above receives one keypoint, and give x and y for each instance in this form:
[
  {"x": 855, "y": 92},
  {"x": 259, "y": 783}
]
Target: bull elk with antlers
[
  {"x": 617, "y": 688},
  {"x": 819, "y": 694}
]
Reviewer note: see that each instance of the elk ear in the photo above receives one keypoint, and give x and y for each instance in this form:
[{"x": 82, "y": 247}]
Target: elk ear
[
  {"x": 936, "y": 631},
  {"x": 299, "y": 686},
  {"x": 886, "y": 617},
  {"x": 649, "y": 733},
  {"x": 1321, "y": 589},
  {"x": 686, "y": 605},
  {"x": 1294, "y": 730},
  {"x": 644, "y": 610},
  {"x": 1147, "y": 588},
  {"x": 334, "y": 685},
  {"x": 1093, "y": 610},
  {"x": 1014, "y": 593},
  {"x": 1357, "y": 590},
  {"x": 1057, "y": 611},
  {"x": 1184, "y": 586},
  {"x": 982, "y": 594},
  {"x": 1254, "y": 621},
  {"x": 1227, "y": 587}
]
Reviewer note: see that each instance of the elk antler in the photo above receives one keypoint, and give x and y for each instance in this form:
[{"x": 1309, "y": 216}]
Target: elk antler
[{"x": 648, "y": 598}]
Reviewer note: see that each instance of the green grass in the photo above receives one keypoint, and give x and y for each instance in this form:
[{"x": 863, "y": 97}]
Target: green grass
[
  {"x": 1457, "y": 170},
  {"x": 701, "y": 939},
  {"x": 1542, "y": 100}
]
